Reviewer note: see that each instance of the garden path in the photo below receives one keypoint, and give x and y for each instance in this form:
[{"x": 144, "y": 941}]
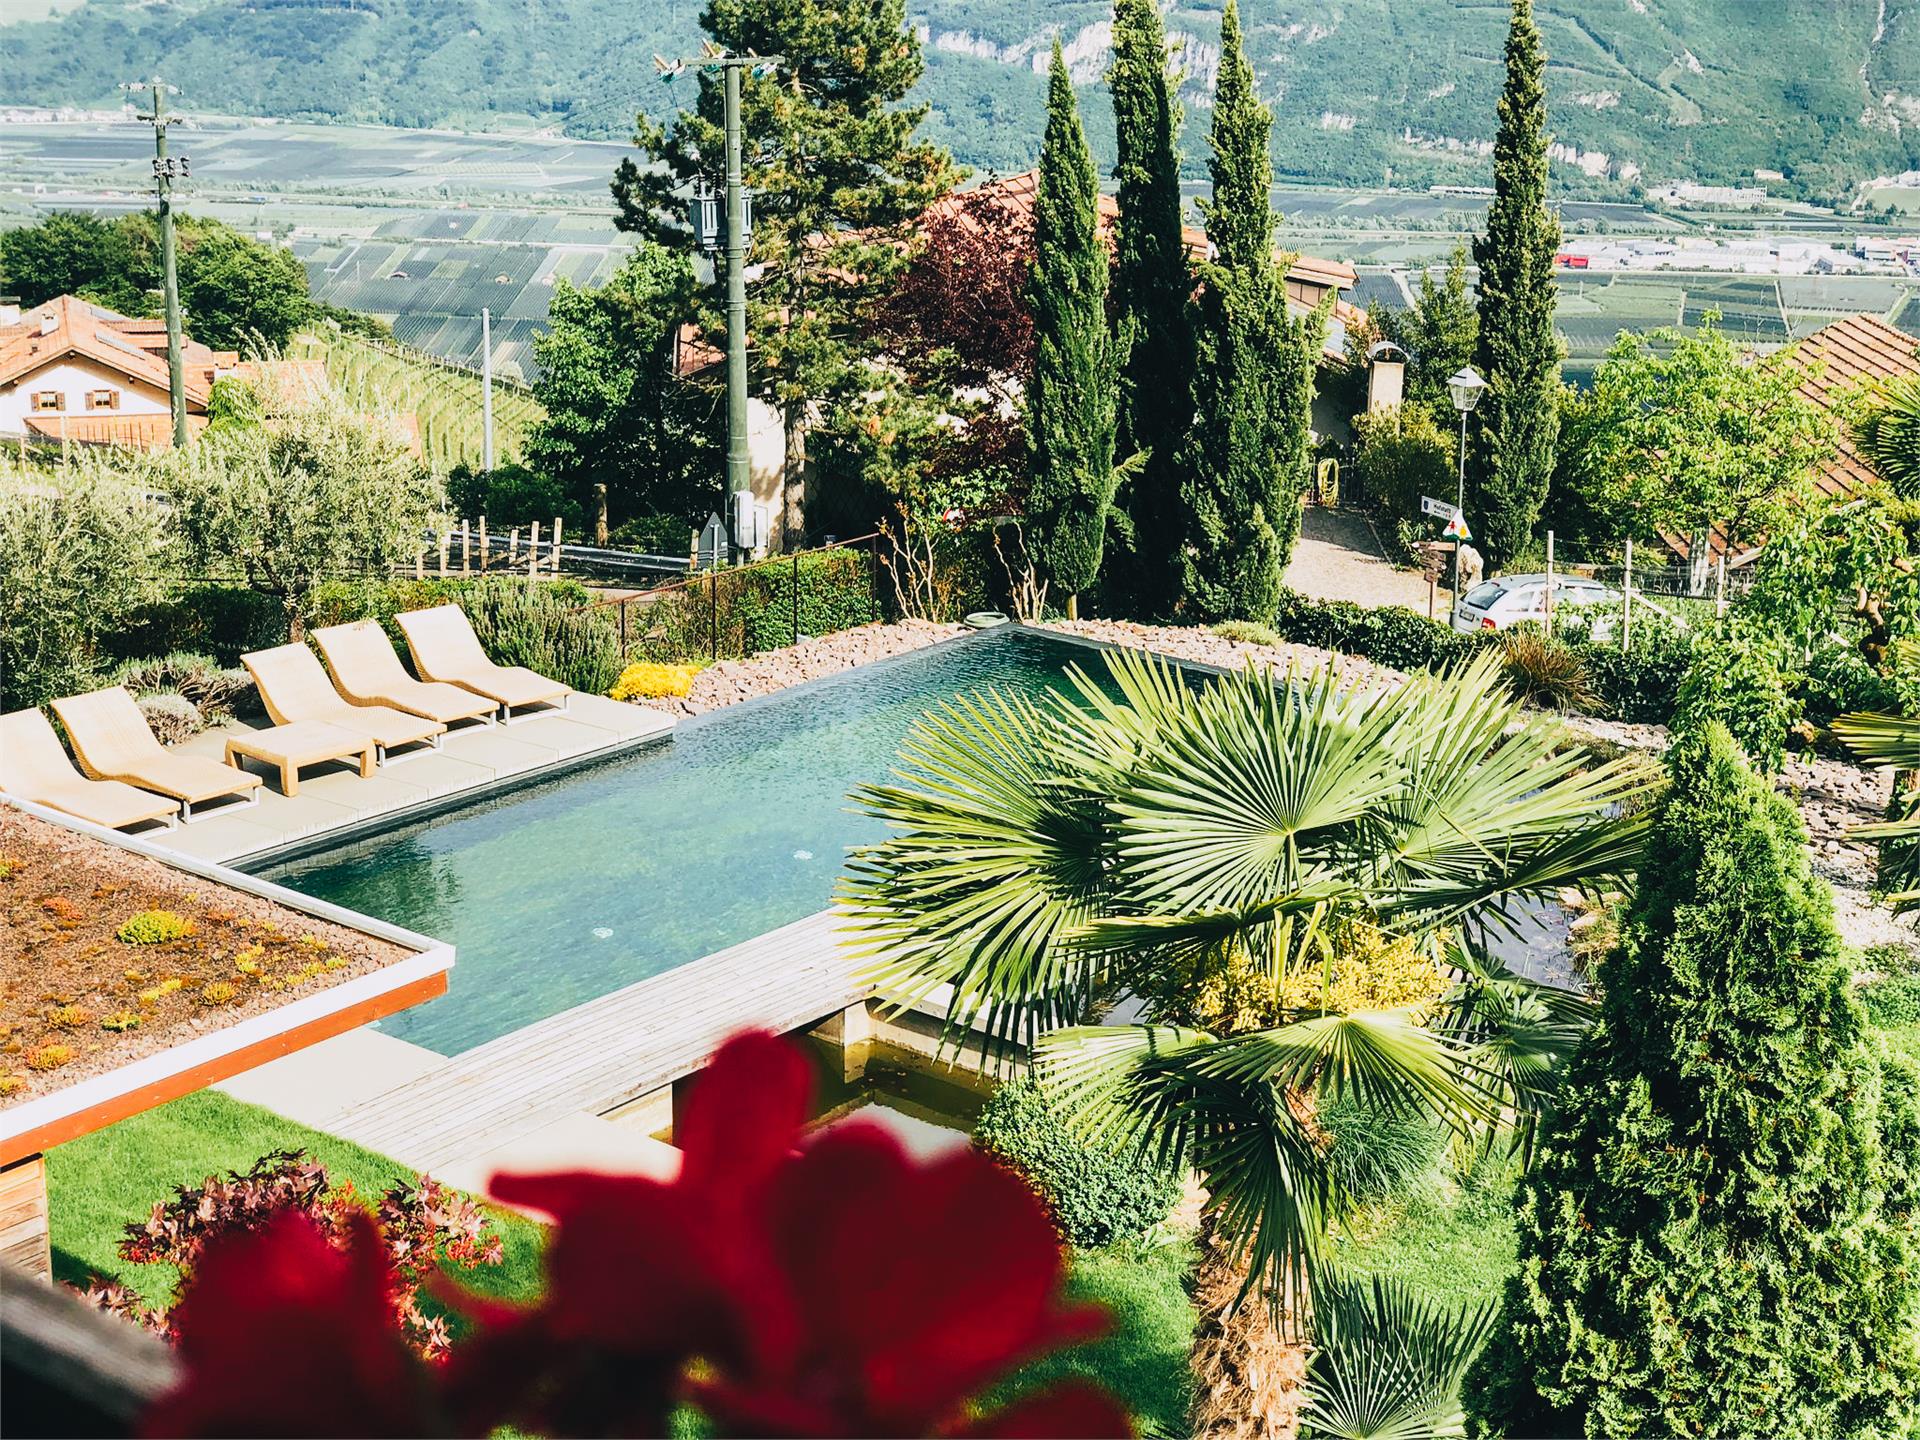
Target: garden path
[{"x": 1338, "y": 557}]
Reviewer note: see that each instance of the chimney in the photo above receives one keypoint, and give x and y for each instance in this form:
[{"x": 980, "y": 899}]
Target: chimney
[
  {"x": 9, "y": 309},
  {"x": 49, "y": 322}
]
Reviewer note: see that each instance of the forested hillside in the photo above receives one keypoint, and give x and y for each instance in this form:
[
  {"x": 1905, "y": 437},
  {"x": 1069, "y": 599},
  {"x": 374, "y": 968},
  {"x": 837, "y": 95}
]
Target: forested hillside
[{"x": 1827, "y": 91}]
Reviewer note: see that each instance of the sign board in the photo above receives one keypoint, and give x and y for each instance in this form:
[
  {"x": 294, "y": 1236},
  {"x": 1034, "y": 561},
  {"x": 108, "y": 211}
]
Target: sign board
[
  {"x": 1457, "y": 527},
  {"x": 1444, "y": 509},
  {"x": 713, "y": 544}
]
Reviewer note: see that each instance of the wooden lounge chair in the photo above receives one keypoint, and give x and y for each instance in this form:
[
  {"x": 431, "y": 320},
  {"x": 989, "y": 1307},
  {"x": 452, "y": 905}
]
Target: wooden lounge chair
[
  {"x": 294, "y": 687},
  {"x": 445, "y": 648},
  {"x": 34, "y": 766},
  {"x": 307, "y": 742},
  {"x": 367, "y": 672},
  {"x": 111, "y": 739}
]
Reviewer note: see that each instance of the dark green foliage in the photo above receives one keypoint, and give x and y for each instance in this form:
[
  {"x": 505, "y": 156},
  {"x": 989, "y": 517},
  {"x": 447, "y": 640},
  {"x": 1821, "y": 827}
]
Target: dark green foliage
[
  {"x": 1379, "y": 1155},
  {"x": 749, "y": 608},
  {"x": 513, "y": 495},
  {"x": 235, "y": 291},
  {"x": 1389, "y": 635},
  {"x": 74, "y": 252},
  {"x": 1641, "y": 685},
  {"x": 1152, "y": 283},
  {"x": 1517, "y": 423},
  {"x": 1070, "y": 397},
  {"x": 1545, "y": 670},
  {"x": 1439, "y": 334},
  {"x": 616, "y": 414},
  {"x": 1097, "y": 1194},
  {"x": 1245, "y": 462},
  {"x": 220, "y": 620},
  {"x": 1736, "y": 681},
  {"x": 341, "y": 601},
  {"x": 1714, "y": 1238},
  {"x": 1891, "y": 994}
]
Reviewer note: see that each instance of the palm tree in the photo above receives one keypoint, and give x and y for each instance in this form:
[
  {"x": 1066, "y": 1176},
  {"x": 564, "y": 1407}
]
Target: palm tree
[
  {"x": 1177, "y": 842},
  {"x": 1893, "y": 742},
  {"x": 1888, "y": 435},
  {"x": 1387, "y": 1365}
]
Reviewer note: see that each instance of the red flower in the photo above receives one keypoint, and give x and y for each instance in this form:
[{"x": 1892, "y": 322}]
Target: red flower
[
  {"x": 845, "y": 1290},
  {"x": 285, "y": 1333}
]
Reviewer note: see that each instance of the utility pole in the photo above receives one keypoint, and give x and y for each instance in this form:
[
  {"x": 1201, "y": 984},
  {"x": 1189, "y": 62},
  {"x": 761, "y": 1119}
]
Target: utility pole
[
  {"x": 738, "y": 222},
  {"x": 486, "y": 389},
  {"x": 164, "y": 169}
]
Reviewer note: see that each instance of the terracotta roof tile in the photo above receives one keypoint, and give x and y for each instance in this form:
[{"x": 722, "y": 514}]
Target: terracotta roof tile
[{"x": 68, "y": 325}]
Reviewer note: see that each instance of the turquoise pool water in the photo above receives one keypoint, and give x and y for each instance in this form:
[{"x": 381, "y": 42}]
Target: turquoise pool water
[{"x": 562, "y": 891}]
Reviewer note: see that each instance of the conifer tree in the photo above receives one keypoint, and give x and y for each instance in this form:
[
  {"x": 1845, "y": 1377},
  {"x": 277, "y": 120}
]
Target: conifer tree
[
  {"x": 1517, "y": 423},
  {"x": 1717, "y": 1235},
  {"x": 837, "y": 172},
  {"x": 1070, "y": 399},
  {"x": 1244, "y": 464},
  {"x": 1152, "y": 283}
]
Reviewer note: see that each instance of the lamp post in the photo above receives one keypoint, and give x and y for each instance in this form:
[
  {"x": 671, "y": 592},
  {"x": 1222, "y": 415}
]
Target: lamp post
[
  {"x": 1466, "y": 388},
  {"x": 705, "y": 205}
]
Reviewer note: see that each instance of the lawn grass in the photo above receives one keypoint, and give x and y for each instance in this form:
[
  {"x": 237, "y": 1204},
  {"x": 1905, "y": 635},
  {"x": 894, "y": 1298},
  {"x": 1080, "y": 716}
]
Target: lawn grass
[
  {"x": 101, "y": 1183},
  {"x": 1143, "y": 1360},
  {"x": 1451, "y": 1239}
]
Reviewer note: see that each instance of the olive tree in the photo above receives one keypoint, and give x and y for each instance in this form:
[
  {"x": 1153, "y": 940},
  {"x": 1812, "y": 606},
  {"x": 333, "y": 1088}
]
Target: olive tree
[
  {"x": 289, "y": 497},
  {"x": 81, "y": 546}
]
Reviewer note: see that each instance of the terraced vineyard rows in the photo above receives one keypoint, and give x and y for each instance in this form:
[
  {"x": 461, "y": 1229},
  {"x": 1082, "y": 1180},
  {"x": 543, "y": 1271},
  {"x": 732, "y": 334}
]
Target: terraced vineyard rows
[{"x": 445, "y": 398}]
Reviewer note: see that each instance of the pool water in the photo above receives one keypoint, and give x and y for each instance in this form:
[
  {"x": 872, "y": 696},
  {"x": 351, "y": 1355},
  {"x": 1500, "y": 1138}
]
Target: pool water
[{"x": 561, "y": 891}]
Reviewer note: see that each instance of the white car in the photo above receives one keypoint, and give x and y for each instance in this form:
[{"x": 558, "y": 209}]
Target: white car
[{"x": 1517, "y": 599}]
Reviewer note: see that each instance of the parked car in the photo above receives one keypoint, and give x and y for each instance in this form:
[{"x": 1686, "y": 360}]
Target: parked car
[{"x": 1518, "y": 599}]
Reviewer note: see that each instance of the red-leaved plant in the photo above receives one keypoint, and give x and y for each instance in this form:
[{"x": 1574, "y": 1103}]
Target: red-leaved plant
[
  {"x": 416, "y": 1222},
  {"x": 781, "y": 1285}
]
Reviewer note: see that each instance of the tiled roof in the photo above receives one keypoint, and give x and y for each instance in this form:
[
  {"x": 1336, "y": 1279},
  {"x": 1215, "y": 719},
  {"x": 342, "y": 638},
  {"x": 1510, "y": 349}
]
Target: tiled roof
[
  {"x": 134, "y": 347},
  {"x": 1835, "y": 361}
]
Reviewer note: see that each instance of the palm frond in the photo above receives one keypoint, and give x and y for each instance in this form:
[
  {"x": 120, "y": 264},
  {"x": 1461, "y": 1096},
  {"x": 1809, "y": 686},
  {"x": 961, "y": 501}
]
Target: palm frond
[
  {"x": 1387, "y": 1364},
  {"x": 1890, "y": 741}
]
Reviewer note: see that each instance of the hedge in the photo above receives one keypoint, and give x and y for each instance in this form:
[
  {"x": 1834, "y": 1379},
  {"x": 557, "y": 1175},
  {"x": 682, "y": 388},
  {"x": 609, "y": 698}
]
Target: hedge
[
  {"x": 1642, "y": 685},
  {"x": 1096, "y": 1192},
  {"x": 749, "y": 608}
]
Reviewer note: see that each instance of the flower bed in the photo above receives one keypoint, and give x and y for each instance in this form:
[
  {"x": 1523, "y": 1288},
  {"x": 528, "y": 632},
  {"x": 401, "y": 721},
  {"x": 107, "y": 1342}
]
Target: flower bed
[{"x": 108, "y": 956}]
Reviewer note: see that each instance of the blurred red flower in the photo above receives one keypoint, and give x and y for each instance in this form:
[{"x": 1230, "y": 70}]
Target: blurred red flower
[
  {"x": 287, "y": 1333},
  {"x": 837, "y": 1289}
]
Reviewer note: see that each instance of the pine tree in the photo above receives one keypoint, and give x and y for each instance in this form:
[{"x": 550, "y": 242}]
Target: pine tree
[
  {"x": 1517, "y": 423},
  {"x": 1152, "y": 282},
  {"x": 1070, "y": 399},
  {"x": 1717, "y": 1235},
  {"x": 836, "y": 172},
  {"x": 1245, "y": 461}
]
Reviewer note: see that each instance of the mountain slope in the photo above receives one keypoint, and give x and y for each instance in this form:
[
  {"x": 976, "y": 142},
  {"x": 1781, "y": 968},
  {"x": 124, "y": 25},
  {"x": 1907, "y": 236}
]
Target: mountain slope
[{"x": 1825, "y": 90}]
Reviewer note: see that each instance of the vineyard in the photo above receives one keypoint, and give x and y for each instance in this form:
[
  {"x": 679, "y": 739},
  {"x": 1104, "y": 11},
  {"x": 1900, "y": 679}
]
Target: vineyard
[{"x": 378, "y": 375}]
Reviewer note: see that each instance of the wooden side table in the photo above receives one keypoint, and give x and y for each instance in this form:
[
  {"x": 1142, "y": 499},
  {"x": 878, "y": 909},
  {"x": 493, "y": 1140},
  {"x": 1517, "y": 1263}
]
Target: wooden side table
[{"x": 305, "y": 742}]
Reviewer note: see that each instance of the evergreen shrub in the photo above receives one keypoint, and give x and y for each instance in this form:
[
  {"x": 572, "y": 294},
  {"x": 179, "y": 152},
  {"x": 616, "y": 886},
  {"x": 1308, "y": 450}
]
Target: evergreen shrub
[{"x": 1097, "y": 1193}]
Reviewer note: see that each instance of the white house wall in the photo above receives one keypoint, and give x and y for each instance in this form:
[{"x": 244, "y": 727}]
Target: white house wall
[{"x": 73, "y": 377}]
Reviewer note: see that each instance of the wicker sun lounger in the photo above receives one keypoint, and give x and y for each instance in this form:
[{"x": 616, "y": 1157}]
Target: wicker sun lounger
[
  {"x": 294, "y": 687},
  {"x": 112, "y": 741},
  {"x": 367, "y": 672},
  {"x": 445, "y": 648},
  {"x": 34, "y": 766}
]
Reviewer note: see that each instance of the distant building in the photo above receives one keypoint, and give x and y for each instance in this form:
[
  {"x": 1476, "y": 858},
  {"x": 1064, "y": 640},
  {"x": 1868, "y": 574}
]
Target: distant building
[{"x": 79, "y": 373}]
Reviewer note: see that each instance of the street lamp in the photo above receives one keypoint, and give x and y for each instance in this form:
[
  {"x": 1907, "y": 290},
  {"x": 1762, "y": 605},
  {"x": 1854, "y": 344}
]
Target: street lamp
[{"x": 1466, "y": 388}]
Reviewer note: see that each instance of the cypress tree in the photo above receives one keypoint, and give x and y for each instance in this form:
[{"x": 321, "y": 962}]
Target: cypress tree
[
  {"x": 1244, "y": 464},
  {"x": 1716, "y": 1236},
  {"x": 1518, "y": 420},
  {"x": 1070, "y": 400},
  {"x": 1152, "y": 282}
]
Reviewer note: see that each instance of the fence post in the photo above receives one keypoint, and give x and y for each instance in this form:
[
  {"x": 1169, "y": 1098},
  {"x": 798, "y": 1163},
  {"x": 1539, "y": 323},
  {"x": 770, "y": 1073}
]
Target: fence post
[
  {"x": 1626, "y": 601},
  {"x": 796, "y": 597},
  {"x": 713, "y": 612},
  {"x": 513, "y": 545},
  {"x": 446, "y": 542},
  {"x": 1720, "y": 601},
  {"x": 420, "y": 563},
  {"x": 483, "y": 545},
  {"x": 533, "y": 551},
  {"x": 1549, "y": 582},
  {"x": 556, "y": 545},
  {"x": 873, "y": 578},
  {"x": 466, "y": 556},
  {"x": 623, "y": 627}
]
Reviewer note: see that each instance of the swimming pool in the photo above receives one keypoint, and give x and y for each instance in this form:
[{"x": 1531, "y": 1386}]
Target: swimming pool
[{"x": 560, "y": 891}]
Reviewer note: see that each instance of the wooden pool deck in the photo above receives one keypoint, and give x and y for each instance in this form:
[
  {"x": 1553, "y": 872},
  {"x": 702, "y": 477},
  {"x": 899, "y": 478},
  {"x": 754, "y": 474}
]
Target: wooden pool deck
[{"x": 600, "y": 1055}]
